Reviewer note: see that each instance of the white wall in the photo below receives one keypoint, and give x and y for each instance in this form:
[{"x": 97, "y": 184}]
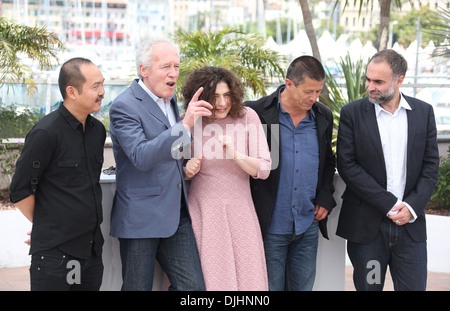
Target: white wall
[{"x": 331, "y": 259}]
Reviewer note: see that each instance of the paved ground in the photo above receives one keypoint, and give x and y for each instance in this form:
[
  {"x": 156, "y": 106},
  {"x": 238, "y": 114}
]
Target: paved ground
[{"x": 17, "y": 279}]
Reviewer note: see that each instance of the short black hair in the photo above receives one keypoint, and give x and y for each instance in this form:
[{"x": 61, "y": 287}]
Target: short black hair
[
  {"x": 397, "y": 62},
  {"x": 70, "y": 75},
  {"x": 305, "y": 66}
]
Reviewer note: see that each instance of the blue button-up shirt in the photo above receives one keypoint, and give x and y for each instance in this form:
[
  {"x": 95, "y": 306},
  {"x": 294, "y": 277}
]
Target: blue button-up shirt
[{"x": 299, "y": 166}]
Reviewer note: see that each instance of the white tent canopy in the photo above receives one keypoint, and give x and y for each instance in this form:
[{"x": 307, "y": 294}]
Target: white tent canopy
[
  {"x": 271, "y": 44},
  {"x": 298, "y": 46},
  {"x": 327, "y": 46},
  {"x": 332, "y": 51}
]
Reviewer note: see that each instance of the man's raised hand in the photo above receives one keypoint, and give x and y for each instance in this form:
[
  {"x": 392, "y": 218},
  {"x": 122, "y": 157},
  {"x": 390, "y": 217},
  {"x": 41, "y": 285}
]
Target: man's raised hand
[{"x": 196, "y": 108}]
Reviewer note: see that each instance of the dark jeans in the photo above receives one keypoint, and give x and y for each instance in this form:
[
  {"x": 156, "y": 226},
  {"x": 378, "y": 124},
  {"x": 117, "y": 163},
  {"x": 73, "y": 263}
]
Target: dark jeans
[
  {"x": 393, "y": 247},
  {"x": 52, "y": 270},
  {"x": 177, "y": 255},
  {"x": 291, "y": 259}
]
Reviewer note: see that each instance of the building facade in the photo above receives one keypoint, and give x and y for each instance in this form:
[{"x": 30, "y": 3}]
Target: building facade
[{"x": 127, "y": 22}]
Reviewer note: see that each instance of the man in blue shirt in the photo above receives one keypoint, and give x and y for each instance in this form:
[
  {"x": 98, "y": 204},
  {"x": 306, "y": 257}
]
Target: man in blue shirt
[{"x": 298, "y": 195}]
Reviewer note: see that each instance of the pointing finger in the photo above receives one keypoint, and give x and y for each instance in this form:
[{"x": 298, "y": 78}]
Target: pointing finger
[{"x": 197, "y": 94}]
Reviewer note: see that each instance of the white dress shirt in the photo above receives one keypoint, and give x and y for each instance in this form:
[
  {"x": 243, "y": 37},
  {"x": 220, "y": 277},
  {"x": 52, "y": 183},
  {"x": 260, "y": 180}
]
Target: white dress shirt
[
  {"x": 163, "y": 103},
  {"x": 393, "y": 128}
]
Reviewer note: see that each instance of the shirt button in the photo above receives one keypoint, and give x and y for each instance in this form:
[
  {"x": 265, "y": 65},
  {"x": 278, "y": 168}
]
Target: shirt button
[{"x": 179, "y": 186}]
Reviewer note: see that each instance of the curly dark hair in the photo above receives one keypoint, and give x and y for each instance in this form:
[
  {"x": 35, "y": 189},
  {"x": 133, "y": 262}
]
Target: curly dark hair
[{"x": 208, "y": 78}]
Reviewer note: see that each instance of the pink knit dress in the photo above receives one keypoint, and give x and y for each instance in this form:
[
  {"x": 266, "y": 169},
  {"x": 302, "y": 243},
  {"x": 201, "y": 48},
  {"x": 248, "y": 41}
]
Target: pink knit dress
[{"x": 223, "y": 216}]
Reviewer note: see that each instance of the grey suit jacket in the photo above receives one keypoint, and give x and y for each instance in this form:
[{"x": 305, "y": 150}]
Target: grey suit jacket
[
  {"x": 149, "y": 175},
  {"x": 361, "y": 165}
]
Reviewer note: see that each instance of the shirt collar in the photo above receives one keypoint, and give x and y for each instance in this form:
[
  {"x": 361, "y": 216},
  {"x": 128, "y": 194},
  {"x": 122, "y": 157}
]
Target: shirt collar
[
  {"x": 312, "y": 113},
  {"x": 403, "y": 104},
  {"x": 153, "y": 96},
  {"x": 281, "y": 89},
  {"x": 73, "y": 122}
]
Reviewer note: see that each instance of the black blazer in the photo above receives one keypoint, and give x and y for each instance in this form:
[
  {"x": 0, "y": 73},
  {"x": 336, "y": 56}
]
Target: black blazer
[
  {"x": 264, "y": 192},
  {"x": 361, "y": 165}
]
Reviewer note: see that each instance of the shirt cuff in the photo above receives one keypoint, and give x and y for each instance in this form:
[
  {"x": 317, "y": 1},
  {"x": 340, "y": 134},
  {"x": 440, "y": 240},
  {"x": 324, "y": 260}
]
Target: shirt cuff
[{"x": 413, "y": 213}]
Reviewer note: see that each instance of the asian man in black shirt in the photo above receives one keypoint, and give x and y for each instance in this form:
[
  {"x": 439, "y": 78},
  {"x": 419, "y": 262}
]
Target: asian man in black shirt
[{"x": 57, "y": 185}]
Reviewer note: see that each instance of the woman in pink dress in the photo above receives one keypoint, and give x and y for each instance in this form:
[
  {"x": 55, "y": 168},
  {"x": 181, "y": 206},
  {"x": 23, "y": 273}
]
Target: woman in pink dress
[{"x": 227, "y": 148}]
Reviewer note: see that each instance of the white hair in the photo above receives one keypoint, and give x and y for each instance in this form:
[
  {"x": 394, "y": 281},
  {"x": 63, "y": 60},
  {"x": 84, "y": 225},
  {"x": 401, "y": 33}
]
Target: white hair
[{"x": 144, "y": 52}]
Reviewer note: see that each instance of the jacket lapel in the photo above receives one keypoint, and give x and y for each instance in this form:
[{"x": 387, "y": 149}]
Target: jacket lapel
[
  {"x": 321, "y": 122},
  {"x": 149, "y": 104},
  {"x": 270, "y": 112},
  {"x": 269, "y": 119},
  {"x": 173, "y": 102},
  {"x": 410, "y": 114},
  {"x": 373, "y": 131}
]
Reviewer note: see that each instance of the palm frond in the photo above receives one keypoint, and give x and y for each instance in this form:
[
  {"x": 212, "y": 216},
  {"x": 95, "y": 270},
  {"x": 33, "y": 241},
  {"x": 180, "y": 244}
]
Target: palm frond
[
  {"x": 17, "y": 41},
  {"x": 439, "y": 27},
  {"x": 354, "y": 77},
  {"x": 233, "y": 49}
]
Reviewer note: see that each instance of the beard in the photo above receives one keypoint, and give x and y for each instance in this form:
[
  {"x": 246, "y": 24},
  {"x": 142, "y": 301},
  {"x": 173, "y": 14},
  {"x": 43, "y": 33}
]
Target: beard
[{"x": 377, "y": 97}]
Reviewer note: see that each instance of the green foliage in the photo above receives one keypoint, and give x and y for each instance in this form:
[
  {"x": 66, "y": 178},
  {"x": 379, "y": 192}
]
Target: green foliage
[
  {"x": 19, "y": 41},
  {"x": 9, "y": 153},
  {"x": 439, "y": 30},
  {"x": 16, "y": 43},
  {"x": 4, "y": 194},
  {"x": 355, "y": 79},
  {"x": 14, "y": 123},
  {"x": 361, "y": 3},
  {"x": 441, "y": 195},
  {"x": 434, "y": 25},
  {"x": 104, "y": 118},
  {"x": 244, "y": 54}
]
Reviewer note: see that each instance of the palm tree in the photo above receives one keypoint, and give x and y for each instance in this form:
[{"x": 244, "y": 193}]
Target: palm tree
[
  {"x": 385, "y": 10},
  {"x": 18, "y": 41},
  {"x": 355, "y": 79},
  {"x": 310, "y": 32},
  {"x": 244, "y": 54},
  {"x": 439, "y": 28},
  {"x": 307, "y": 19},
  {"x": 383, "y": 30}
]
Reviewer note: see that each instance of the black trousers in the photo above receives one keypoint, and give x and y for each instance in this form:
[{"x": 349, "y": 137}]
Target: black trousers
[{"x": 53, "y": 270}]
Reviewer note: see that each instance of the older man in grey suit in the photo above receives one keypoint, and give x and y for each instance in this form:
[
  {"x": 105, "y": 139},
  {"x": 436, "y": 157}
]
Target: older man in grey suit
[{"x": 150, "y": 213}]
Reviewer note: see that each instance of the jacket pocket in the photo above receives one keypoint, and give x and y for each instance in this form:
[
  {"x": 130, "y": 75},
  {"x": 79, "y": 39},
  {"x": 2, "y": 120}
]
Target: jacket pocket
[{"x": 144, "y": 192}]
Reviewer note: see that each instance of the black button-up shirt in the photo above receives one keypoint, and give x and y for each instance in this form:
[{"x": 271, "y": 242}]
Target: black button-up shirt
[{"x": 61, "y": 165}]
